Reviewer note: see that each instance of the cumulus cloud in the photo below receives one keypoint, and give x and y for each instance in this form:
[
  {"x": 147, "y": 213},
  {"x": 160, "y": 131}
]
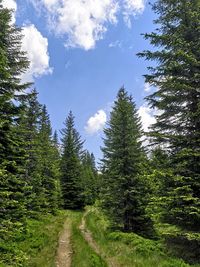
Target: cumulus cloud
[
  {"x": 36, "y": 47},
  {"x": 132, "y": 8},
  {"x": 147, "y": 117},
  {"x": 34, "y": 44},
  {"x": 11, "y": 4},
  {"x": 96, "y": 123},
  {"x": 85, "y": 22}
]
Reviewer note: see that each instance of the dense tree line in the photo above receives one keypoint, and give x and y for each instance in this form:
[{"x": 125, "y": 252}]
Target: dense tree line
[
  {"x": 37, "y": 174},
  {"x": 163, "y": 184},
  {"x": 79, "y": 178}
]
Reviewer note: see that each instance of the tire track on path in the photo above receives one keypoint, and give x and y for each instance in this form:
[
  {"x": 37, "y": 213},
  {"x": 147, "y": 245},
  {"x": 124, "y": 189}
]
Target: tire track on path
[
  {"x": 64, "y": 251},
  {"x": 92, "y": 243}
]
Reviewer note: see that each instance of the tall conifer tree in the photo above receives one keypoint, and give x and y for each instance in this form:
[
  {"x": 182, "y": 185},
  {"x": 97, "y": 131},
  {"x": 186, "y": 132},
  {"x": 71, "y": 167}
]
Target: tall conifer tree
[
  {"x": 89, "y": 178},
  {"x": 46, "y": 166},
  {"x": 13, "y": 62},
  {"x": 177, "y": 78},
  {"x": 125, "y": 195},
  {"x": 56, "y": 159},
  {"x": 71, "y": 185},
  {"x": 28, "y": 129}
]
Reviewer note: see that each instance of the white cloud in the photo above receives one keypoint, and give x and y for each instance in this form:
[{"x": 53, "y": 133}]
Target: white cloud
[
  {"x": 11, "y": 4},
  {"x": 147, "y": 87},
  {"x": 50, "y": 3},
  {"x": 34, "y": 44},
  {"x": 96, "y": 123},
  {"x": 115, "y": 44},
  {"x": 147, "y": 117},
  {"x": 36, "y": 47},
  {"x": 132, "y": 8},
  {"x": 134, "y": 5},
  {"x": 82, "y": 23}
]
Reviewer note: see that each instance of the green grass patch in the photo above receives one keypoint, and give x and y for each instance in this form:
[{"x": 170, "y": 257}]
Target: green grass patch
[
  {"x": 83, "y": 254},
  {"x": 129, "y": 249},
  {"x": 37, "y": 246}
]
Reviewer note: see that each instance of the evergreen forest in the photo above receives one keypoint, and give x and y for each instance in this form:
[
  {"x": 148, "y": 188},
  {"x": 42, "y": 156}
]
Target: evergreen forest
[{"x": 140, "y": 206}]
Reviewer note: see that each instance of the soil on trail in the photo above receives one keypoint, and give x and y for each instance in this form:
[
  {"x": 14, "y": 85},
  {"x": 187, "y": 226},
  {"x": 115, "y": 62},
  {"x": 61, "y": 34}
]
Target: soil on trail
[
  {"x": 92, "y": 243},
  {"x": 88, "y": 236},
  {"x": 64, "y": 252}
]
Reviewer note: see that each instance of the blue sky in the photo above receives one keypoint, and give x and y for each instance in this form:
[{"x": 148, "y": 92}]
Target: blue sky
[{"x": 81, "y": 53}]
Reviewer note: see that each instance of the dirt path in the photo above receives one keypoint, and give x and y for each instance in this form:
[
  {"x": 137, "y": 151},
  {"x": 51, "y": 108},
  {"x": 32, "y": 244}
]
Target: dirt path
[
  {"x": 88, "y": 236},
  {"x": 92, "y": 243},
  {"x": 64, "y": 252}
]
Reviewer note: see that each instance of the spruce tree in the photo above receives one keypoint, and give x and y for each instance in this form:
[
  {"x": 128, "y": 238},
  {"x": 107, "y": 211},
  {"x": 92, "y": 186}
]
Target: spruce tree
[
  {"x": 13, "y": 63},
  {"x": 125, "y": 195},
  {"x": 71, "y": 170},
  {"x": 89, "y": 178},
  {"x": 177, "y": 78},
  {"x": 28, "y": 129},
  {"x": 47, "y": 168},
  {"x": 56, "y": 159},
  {"x": 42, "y": 157},
  {"x": 55, "y": 140}
]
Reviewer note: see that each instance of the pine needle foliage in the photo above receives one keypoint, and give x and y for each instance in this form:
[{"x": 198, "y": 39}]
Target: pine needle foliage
[
  {"x": 71, "y": 170},
  {"x": 177, "y": 78},
  {"x": 125, "y": 194},
  {"x": 13, "y": 63}
]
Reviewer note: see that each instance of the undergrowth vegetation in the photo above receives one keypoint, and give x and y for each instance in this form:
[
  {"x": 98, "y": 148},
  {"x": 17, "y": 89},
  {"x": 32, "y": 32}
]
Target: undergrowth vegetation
[
  {"x": 36, "y": 246},
  {"x": 130, "y": 249},
  {"x": 83, "y": 254}
]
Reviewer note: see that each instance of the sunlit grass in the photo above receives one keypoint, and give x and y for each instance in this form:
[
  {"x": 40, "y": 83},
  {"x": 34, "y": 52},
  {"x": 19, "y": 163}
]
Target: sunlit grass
[
  {"x": 83, "y": 254},
  {"x": 129, "y": 249},
  {"x": 37, "y": 246}
]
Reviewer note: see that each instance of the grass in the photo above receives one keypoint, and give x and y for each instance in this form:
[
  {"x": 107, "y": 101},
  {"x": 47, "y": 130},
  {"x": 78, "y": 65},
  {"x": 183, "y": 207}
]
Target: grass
[
  {"x": 129, "y": 249},
  {"x": 36, "y": 247},
  {"x": 83, "y": 254}
]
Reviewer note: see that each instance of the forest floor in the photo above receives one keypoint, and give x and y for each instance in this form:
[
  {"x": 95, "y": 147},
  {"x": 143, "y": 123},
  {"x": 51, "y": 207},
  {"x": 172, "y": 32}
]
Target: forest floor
[
  {"x": 88, "y": 236},
  {"x": 84, "y": 239},
  {"x": 120, "y": 249},
  {"x": 93, "y": 244}
]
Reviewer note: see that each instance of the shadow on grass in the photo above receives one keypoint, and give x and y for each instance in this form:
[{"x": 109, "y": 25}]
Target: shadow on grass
[{"x": 184, "y": 246}]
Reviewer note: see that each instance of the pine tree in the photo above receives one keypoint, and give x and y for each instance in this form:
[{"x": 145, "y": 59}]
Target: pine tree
[
  {"x": 71, "y": 185},
  {"x": 56, "y": 158},
  {"x": 177, "y": 78},
  {"x": 46, "y": 166},
  {"x": 28, "y": 129},
  {"x": 125, "y": 195},
  {"x": 55, "y": 140},
  {"x": 42, "y": 157},
  {"x": 13, "y": 63},
  {"x": 89, "y": 178}
]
